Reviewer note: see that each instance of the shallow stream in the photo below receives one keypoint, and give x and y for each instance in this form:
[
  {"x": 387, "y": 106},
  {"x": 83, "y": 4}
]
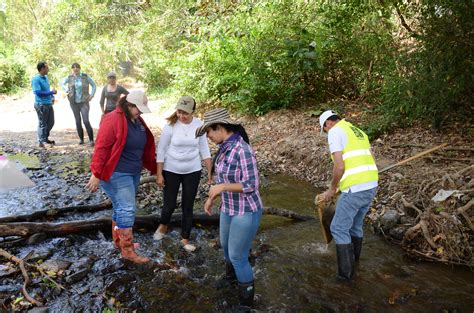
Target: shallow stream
[{"x": 294, "y": 269}]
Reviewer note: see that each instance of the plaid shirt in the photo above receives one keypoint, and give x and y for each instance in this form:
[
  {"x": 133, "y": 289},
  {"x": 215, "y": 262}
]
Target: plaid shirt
[{"x": 236, "y": 163}]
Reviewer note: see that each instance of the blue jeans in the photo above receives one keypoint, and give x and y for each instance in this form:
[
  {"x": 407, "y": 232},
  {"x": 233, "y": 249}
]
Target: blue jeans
[
  {"x": 349, "y": 217},
  {"x": 237, "y": 233},
  {"x": 45, "y": 114},
  {"x": 121, "y": 189}
]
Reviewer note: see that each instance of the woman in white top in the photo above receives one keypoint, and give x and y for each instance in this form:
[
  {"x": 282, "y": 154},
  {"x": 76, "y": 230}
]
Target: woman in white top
[{"x": 179, "y": 158}]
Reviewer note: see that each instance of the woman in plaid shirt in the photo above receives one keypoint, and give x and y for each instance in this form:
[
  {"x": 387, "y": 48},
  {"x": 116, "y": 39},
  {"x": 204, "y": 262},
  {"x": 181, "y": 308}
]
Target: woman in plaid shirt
[{"x": 237, "y": 182}]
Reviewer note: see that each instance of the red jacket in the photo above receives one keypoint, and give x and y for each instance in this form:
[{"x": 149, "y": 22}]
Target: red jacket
[{"x": 109, "y": 145}]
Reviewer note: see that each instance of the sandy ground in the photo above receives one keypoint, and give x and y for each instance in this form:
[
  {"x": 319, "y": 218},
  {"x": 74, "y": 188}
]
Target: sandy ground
[{"x": 17, "y": 114}]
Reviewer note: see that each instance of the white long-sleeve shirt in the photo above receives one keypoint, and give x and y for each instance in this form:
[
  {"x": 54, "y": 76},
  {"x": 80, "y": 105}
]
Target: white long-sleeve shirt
[{"x": 180, "y": 150}]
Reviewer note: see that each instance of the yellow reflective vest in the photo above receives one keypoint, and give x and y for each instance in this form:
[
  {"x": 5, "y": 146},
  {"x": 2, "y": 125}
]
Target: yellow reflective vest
[{"x": 359, "y": 164}]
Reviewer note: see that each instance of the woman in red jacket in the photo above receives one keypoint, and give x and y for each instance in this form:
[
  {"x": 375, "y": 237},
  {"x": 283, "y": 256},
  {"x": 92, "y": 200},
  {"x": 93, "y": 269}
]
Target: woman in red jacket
[{"x": 123, "y": 147}]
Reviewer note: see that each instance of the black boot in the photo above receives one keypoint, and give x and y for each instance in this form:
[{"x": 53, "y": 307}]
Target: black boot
[
  {"x": 228, "y": 279},
  {"x": 246, "y": 293},
  {"x": 345, "y": 262},
  {"x": 357, "y": 244},
  {"x": 230, "y": 273}
]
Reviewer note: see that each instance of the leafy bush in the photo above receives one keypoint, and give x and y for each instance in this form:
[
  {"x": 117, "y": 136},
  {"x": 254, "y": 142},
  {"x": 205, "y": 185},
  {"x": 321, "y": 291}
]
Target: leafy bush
[
  {"x": 12, "y": 75},
  {"x": 434, "y": 82}
]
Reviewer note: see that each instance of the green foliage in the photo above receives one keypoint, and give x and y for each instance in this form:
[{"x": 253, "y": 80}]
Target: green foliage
[
  {"x": 409, "y": 60},
  {"x": 12, "y": 74},
  {"x": 434, "y": 81}
]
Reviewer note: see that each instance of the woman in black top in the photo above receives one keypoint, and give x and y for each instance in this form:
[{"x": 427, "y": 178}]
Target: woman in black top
[{"x": 112, "y": 92}]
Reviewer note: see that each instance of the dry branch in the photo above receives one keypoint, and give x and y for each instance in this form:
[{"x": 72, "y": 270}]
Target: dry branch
[
  {"x": 426, "y": 234},
  {"x": 26, "y": 278}
]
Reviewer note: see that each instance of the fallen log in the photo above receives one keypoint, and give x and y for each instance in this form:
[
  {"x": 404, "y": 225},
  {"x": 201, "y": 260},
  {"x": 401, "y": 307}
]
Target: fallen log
[
  {"x": 56, "y": 212},
  {"x": 149, "y": 222}
]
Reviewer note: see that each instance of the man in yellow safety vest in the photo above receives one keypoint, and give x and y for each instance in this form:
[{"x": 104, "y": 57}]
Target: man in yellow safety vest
[{"x": 356, "y": 176}]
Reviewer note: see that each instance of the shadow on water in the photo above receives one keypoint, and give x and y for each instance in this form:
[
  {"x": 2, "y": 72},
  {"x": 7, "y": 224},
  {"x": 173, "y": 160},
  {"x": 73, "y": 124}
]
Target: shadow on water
[{"x": 294, "y": 270}]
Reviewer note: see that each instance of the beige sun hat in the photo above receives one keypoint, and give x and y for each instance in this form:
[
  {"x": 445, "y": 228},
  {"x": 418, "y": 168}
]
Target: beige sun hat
[
  {"x": 139, "y": 98},
  {"x": 216, "y": 116},
  {"x": 187, "y": 104}
]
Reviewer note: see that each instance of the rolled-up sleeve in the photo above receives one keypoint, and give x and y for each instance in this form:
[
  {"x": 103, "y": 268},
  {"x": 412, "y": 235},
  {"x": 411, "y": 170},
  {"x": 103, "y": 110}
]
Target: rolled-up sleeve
[
  {"x": 248, "y": 166},
  {"x": 163, "y": 143}
]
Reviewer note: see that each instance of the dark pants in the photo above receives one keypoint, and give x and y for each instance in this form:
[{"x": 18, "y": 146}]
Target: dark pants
[
  {"x": 190, "y": 183},
  {"x": 82, "y": 109},
  {"x": 45, "y": 121}
]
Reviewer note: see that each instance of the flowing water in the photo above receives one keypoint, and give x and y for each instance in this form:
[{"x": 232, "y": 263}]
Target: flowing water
[{"x": 294, "y": 268}]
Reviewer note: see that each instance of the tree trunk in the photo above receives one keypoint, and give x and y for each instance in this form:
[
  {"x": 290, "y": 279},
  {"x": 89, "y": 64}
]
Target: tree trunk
[{"x": 149, "y": 222}]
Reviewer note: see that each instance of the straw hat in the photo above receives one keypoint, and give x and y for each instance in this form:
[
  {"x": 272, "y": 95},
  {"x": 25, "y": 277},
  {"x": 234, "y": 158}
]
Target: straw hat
[{"x": 216, "y": 116}]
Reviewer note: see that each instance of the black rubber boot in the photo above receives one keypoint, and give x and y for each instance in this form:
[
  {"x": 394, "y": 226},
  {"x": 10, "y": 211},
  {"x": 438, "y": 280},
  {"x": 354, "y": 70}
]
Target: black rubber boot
[
  {"x": 246, "y": 293},
  {"x": 230, "y": 273},
  {"x": 357, "y": 244},
  {"x": 345, "y": 262},
  {"x": 228, "y": 279}
]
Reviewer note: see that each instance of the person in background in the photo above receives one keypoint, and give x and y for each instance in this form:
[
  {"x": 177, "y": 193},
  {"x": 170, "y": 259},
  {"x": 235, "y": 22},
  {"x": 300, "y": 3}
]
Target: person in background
[
  {"x": 124, "y": 146},
  {"x": 76, "y": 86},
  {"x": 356, "y": 176},
  {"x": 111, "y": 93},
  {"x": 179, "y": 163},
  {"x": 237, "y": 182},
  {"x": 44, "y": 99}
]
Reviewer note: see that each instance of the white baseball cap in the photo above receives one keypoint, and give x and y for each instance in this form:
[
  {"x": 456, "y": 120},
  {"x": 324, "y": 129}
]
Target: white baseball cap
[
  {"x": 139, "y": 98},
  {"x": 323, "y": 117}
]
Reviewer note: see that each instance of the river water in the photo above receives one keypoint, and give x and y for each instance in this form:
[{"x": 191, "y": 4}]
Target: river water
[{"x": 294, "y": 268}]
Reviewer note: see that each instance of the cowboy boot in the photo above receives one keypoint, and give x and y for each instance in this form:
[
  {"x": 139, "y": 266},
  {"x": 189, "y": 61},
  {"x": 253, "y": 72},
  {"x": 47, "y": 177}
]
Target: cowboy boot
[
  {"x": 115, "y": 236},
  {"x": 345, "y": 262},
  {"x": 357, "y": 243},
  {"x": 116, "y": 239},
  {"x": 127, "y": 248}
]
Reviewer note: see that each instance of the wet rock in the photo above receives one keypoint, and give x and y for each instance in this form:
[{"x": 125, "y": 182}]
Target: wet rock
[
  {"x": 85, "y": 262},
  {"x": 96, "y": 285},
  {"x": 117, "y": 283},
  {"x": 7, "y": 270},
  {"x": 35, "y": 256},
  {"x": 55, "y": 265},
  {"x": 36, "y": 238},
  {"x": 77, "y": 276},
  {"x": 41, "y": 309},
  {"x": 4, "y": 288},
  {"x": 390, "y": 219},
  {"x": 56, "y": 291},
  {"x": 398, "y": 232}
]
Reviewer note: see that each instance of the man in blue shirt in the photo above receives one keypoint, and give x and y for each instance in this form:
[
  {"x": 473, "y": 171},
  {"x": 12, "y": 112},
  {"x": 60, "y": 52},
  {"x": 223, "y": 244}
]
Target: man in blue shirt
[
  {"x": 76, "y": 86},
  {"x": 43, "y": 103}
]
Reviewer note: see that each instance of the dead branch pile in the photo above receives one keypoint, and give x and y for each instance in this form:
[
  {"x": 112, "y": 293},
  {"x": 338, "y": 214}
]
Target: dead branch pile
[{"x": 438, "y": 228}]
